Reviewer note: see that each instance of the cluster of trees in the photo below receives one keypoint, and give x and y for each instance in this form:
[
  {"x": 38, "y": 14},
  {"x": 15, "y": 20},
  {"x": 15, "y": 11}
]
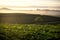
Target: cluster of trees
[{"x": 47, "y": 9}]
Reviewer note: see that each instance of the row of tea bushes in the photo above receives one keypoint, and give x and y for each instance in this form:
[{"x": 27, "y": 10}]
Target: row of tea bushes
[{"x": 29, "y": 32}]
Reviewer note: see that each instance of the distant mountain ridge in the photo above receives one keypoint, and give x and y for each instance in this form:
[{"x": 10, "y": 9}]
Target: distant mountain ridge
[{"x": 4, "y": 9}]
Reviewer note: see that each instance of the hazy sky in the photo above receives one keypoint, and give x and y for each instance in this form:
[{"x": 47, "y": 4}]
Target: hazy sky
[{"x": 30, "y": 2}]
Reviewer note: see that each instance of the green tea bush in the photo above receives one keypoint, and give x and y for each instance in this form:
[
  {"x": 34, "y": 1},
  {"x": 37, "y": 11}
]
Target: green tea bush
[{"x": 29, "y": 32}]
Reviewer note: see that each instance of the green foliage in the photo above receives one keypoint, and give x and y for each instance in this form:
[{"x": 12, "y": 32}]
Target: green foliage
[{"x": 29, "y": 31}]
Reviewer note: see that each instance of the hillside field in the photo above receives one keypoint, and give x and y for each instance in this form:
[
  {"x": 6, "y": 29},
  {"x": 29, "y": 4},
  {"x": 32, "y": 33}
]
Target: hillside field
[{"x": 29, "y": 32}]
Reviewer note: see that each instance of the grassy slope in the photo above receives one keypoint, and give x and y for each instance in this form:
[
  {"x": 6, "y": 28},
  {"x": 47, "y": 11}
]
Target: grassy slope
[
  {"x": 29, "y": 32},
  {"x": 28, "y": 18}
]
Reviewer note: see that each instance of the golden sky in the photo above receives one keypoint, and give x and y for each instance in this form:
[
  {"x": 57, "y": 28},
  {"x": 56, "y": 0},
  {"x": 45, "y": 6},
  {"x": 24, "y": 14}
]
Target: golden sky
[{"x": 30, "y": 2}]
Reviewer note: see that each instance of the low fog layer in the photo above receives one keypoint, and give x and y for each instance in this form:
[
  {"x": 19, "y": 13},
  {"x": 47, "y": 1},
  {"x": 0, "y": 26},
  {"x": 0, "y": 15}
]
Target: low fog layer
[{"x": 47, "y": 12}]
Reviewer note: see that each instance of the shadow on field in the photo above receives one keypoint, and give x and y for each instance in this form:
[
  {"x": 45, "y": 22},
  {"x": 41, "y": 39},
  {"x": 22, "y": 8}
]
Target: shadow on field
[{"x": 21, "y": 18}]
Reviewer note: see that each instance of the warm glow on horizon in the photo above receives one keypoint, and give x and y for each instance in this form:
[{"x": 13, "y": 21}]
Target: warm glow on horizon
[
  {"x": 21, "y": 4},
  {"x": 30, "y": 2}
]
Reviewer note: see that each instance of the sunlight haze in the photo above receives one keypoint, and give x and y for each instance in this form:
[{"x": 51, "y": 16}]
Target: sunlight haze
[{"x": 30, "y": 2}]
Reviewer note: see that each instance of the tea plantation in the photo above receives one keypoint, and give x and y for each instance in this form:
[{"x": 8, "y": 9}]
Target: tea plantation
[{"x": 29, "y": 32}]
